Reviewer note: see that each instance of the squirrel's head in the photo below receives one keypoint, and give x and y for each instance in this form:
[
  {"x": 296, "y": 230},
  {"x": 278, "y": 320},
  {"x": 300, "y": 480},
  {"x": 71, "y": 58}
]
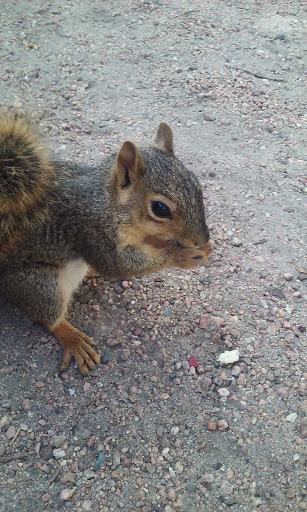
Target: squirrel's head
[{"x": 160, "y": 203}]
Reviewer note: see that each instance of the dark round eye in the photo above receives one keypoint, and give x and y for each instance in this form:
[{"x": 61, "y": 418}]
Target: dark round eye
[{"x": 161, "y": 209}]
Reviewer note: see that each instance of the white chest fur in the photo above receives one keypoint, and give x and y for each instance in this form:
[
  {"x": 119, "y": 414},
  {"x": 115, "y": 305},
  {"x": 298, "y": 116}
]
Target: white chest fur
[{"x": 71, "y": 276}]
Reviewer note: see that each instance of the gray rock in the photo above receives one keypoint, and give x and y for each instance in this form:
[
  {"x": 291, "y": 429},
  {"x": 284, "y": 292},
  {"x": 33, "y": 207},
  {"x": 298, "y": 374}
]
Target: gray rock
[{"x": 57, "y": 441}]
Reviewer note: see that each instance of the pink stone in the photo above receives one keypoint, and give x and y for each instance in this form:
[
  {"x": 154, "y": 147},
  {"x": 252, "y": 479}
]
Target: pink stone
[
  {"x": 66, "y": 494},
  {"x": 241, "y": 380},
  {"x": 216, "y": 338},
  {"x": 204, "y": 321},
  {"x": 212, "y": 425},
  {"x": 11, "y": 431},
  {"x": 193, "y": 362},
  {"x": 218, "y": 321},
  {"x": 86, "y": 386},
  {"x": 207, "y": 382},
  {"x": 207, "y": 478},
  {"x": 222, "y": 425}
]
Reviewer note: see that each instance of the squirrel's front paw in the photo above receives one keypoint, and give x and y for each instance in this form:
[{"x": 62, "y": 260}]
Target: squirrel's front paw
[{"x": 78, "y": 345}]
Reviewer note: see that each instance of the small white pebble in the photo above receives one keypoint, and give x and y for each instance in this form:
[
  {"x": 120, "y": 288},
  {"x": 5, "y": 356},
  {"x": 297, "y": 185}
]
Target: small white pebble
[
  {"x": 291, "y": 417},
  {"x": 223, "y": 392},
  {"x": 228, "y": 357},
  {"x": 66, "y": 494},
  {"x": 171, "y": 472},
  {"x": 175, "y": 431}
]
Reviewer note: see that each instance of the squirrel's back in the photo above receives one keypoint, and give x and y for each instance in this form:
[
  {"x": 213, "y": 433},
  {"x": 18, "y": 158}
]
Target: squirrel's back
[{"x": 26, "y": 177}]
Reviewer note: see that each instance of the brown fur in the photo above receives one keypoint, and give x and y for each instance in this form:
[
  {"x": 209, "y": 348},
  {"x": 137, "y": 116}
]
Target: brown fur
[
  {"x": 26, "y": 177},
  {"x": 90, "y": 221}
]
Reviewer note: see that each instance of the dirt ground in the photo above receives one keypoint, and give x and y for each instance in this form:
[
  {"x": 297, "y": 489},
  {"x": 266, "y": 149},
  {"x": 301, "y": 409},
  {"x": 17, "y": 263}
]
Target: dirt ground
[{"x": 148, "y": 431}]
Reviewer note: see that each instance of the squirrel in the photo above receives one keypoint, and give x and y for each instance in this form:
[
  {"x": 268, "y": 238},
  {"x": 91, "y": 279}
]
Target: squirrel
[{"x": 136, "y": 213}]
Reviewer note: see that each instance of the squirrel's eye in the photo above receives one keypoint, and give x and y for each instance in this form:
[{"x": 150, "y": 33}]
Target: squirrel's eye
[{"x": 160, "y": 209}]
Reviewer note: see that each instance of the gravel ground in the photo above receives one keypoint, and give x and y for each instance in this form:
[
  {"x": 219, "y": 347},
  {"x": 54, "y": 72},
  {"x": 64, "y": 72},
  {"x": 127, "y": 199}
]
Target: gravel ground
[{"x": 161, "y": 424}]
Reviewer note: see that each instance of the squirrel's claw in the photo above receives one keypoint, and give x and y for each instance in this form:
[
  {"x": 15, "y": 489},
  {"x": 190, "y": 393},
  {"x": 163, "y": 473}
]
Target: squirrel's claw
[{"x": 78, "y": 345}]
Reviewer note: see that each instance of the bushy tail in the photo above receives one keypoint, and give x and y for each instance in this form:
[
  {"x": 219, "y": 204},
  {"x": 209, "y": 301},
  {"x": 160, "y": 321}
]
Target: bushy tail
[{"x": 26, "y": 178}]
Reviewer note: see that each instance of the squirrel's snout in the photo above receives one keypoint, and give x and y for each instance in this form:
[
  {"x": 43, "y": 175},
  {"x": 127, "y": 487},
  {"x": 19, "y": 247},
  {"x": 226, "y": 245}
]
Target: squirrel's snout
[{"x": 201, "y": 241}]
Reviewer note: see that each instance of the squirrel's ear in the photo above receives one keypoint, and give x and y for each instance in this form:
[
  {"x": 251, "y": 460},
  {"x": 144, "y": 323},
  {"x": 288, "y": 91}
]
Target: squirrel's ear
[
  {"x": 164, "y": 139},
  {"x": 129, "y": 164}
]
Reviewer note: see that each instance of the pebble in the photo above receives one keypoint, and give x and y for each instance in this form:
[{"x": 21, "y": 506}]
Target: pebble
[
  {"x": 204, "y": 321},
  {"x": 68, "y": 477},
  {"x": 116, "y": 460},
  {"x": 241, "y": 380},
  {"x": 107, "y": 357},
  {"x": 5, "y": 420},
  {"x": 218, "y": 321},
  {"x": 112, "y": 342},
  {"x": 11, "y": 431},
  {"x": 171, "y": 472},
  {"x": 40, "y": 384},
  {"x": 209, "y": 118},
  {"x": 291, "y": 493},
  {"x": 193, "y": 362},
  {"x": 89, "y": 474},
  {"x": 140, "y": 494},
  {"x": 172, "y": 495},
  {"x": 57, "y": 441},
  {"x": 174, "y": 431},
  {"x": 216, "y": 338},
  {"x": 126, "y": 463},
  {"x": 292, "y": 417},
  {"x": 236, "y": 242},
  {"x": 226, "y": 487},
  {"x": 212, "y": 425},
  {"x": 186, "y": 365},
  {"x": 66, "y": 494},
  {"x": 101, "y": 459},
  {"x": 58, "y": 453},
  {"x": 288, "y": 276},
  {"x": 222, "y": 425},
  {"x": 179, "y": 467},
  {"x": 229, "y": 357},
  {"x": 46, "y": 452},
  {"x": 223, "y": 392},
  {"x": 207, "y": 478},
  {"x": 235, "y": 371},
  {"x": 85, "y": 434}
]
